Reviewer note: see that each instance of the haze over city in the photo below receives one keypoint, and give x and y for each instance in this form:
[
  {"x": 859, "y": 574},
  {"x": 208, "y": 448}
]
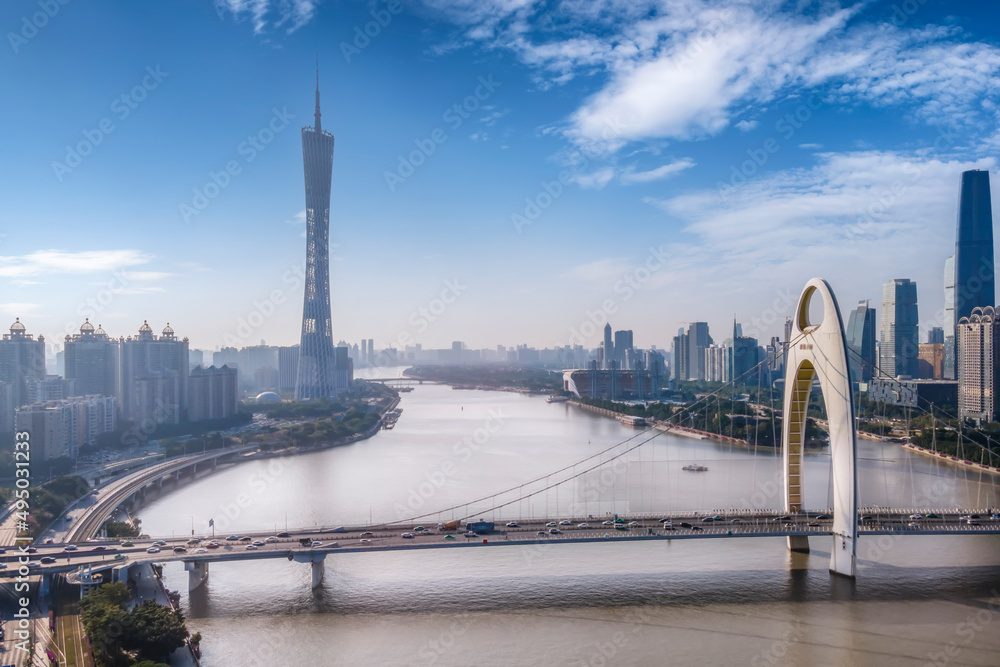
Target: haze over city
[{"x": 686, "y": 161}]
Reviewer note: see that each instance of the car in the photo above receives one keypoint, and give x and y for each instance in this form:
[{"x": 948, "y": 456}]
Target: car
[
  {"x": 120, "y": 556},
  {"x": 201, "y": 550},
  {"x": 814, "y": 524},
  {"x": 258, "y": 543},
  {"x": 824, "y": 517},
  {"x": 718, "y": 518},
  {"x": 565, "y": 522},
  {"x": 633, "y": 523},
  {"x": 447, "y": 537},
  {"x": 3, "y": 566},
  {"x": 468, "y": 533},
  {"x": 212, "y": 545},
  {"x": 31, "y": 550},
  {"x": 708, "y": 519},
  {"x": 782, "y": 518},
  {"x": 667, "y": 524},
  {"x": 621, "y": 526},
  {"x": 583, "y": 525},
  {"x": 251, "y": 547},
  {"x": 409, "y": 536},
  {"x": 419, "y": 529},
  {"x": 685, "y": 524},
  {"x": 283, "y": 534},
  {"x": 48, "y": 560},
  {"x": 973, "y": 522},
  {"x": 512, "y": 524},
  {"x": 368, "y": 533},
  {"x": 233, "y": 538},
  {"x": 127, "y": 543},
  {"x": 99, "y": 547},
  {"x": 995, "y": 517},
  {"x": 913, "y": 524},
  {"x": 931, "y": 515},
  {"x": 160, "y": 543},
  {"x": 33, "y": 564},
  {"x": 696, "y": 528},
  {"x": 619, "y": 520},
  {"x": 542, "y": 533},
  {"x": 555, "y": 531},
  {"x": 736, "y": 521},
  {"x": 70, "y": 547},
  {"x": 551, "y": 524},
  {"x": 246, "y": 539},
  {"x": 367, "y": 541},
  {"x": 180, "y": 550},
  {"x": 914, "y": 517},
  {"x": 193, "y": 542},
  {"x": 608, "y": 523},
  {"x": 49, "y": 540},
  {"x": 153, "y": 550},
  {"x": 315, "y": 543},
  {"x": 271, "y": 539}
]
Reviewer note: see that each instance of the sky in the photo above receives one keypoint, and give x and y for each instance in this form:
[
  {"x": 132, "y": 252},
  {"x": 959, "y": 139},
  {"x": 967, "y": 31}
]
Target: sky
[{"x": 506, "y": 171}]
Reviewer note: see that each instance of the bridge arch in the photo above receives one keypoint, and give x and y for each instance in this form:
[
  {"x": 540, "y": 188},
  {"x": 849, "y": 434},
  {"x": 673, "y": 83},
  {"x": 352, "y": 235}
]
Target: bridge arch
[{"x": 819, "y": 351}]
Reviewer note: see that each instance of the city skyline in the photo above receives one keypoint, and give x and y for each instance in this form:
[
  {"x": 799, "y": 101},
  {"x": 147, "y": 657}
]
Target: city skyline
[{"x": 725, "y": 199}]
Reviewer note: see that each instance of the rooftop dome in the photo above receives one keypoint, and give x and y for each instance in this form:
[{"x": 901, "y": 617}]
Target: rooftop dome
[
  {"x": 268, "y": 397},
  {"x": 100, "y": 331},
  {"x": 167, "y": 330},
  {"x": 87, "y": 327},
  {"x": 17, "y": 327},
  {"x": 145, "y": 328}
]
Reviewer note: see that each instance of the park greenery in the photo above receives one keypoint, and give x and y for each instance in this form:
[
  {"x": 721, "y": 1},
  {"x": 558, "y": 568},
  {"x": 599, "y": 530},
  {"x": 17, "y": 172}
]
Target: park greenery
[
  {"x": 123, "y": 637},
  {"x": 52, "y": 498}
]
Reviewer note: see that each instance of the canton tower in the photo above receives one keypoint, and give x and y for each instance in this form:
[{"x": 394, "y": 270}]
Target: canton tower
[{"x": 316, "y": 377}]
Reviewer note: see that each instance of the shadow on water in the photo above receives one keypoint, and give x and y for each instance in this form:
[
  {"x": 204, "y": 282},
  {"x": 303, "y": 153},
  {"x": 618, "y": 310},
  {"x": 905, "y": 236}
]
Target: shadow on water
[{"x": 342, "y": 595}]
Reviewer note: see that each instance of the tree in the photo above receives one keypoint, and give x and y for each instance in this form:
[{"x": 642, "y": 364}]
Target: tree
[{"x": 154, "y": 631}]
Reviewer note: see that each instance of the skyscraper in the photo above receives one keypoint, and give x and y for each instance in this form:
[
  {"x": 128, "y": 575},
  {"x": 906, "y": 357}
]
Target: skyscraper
[
  {"x": 949, "y": 318},
  {"x": 975, "y": 283},
  {"x": 861, "y": 343},
  {"x": 153, "y": 376},
  {"x": 623, "y": 343},
  {"x": 978, "y": 339},
  {"x": 22, "y": 358},
  {"x": 899, "y": 336},
  {"x": 316, "y": 356},
  {"x": 609, "y": 347},
  {"x": 92, "y": 361},
  {"x": 697, "y": 341}
]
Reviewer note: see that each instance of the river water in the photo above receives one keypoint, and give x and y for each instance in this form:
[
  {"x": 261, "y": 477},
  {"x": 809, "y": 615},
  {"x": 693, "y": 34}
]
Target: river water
[{"x": 917, "y": 600}]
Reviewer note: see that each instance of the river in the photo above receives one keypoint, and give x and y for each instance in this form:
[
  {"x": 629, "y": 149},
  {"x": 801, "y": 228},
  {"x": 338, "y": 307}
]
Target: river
[{"x": 916, "y": 601}]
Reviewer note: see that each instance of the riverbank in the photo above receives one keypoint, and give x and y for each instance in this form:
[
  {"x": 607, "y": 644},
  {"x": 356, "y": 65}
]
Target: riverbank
[
  {"x": 953, "y": 460},
  {"x": 664, "y": 426}
]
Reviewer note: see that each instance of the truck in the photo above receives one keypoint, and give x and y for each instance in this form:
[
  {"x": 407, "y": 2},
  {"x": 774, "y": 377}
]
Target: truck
[{"x": 449, "y": 525}]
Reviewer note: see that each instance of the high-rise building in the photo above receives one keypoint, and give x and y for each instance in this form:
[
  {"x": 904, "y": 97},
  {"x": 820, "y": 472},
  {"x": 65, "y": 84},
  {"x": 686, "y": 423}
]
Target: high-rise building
[
  {"x": 862, "y": 359},
  {"x": 742, "y": 357},
  {"x": 930, "y": 361},
  {"x": 364, "y": 352},
  {"x": 92, "y": 360},
  {"x": 715, "y": 363},
  {"x": 899, "y": 336},
  {"x": 372, "y": 361},
  {"x": 975, "y": 282},
  {"x": 623, "y": 343},
  {"x": 288, "y": 367},
  {"x": 609, "y": 347},
  {"x": 935, "y": 335},
  {"x": 978, "y": 338},
  {"x": 50, "y": 388},
  {"x": 316, "y": 353},
  {"x": 59, "y": 428},
  {"x": 949, "y": 318},
  {"x": 154, "y": 374},
  {"x": 697, "y": 340},
  {"x": 212, "y": 393},
  {"x": 22, "y": 358}
]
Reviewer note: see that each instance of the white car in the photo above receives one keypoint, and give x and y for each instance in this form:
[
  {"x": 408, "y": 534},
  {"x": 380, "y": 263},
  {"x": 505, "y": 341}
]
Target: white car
[
  {"x": 271, "y": 539},
  {"x": 551, "y": 524},
  {"x": 512, "y": 524},
  {"x": 408, "y": 536},
  {"x": 251, "y": 547},
  {"x": 565, "y": 522},
  {"x": 69, "y": 547},
  {"x": 153, "y": 550},
  {"x": 316, "y": 543},
  {"x": 201, "y": 550},
  {"x": 914, "y": 517},
  {"x": 608, "y": 523},
  {"x": 366, "y": 541},
  {"x": 555, "y": 531},
  {"x": 583, "y": 525}
]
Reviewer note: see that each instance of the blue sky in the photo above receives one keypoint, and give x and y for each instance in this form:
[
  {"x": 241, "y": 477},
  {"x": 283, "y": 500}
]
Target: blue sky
[{"x": 655, "y": 162}]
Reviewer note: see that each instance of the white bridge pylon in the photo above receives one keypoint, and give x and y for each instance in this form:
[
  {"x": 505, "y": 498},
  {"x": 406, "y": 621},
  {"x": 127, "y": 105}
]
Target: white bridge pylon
[{"x": 820, "y": 350}]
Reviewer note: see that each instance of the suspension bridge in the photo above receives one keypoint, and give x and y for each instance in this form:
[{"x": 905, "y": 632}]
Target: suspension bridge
[{"x": 599, "y": 500}]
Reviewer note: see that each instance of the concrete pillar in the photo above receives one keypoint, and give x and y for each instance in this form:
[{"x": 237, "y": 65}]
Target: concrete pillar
[
  {"x": 318, "y": 570},
  {"x": 197, "y": 573},
  {"x": 46, "y": 585},
  {"x": 798, "y": 543}
]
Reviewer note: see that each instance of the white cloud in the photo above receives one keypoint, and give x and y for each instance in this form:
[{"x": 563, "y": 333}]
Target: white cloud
[
  {"x": 746, "y": 125},
  {"x": 810, "y": 147},
  {"x": 18, "y": 309},
  {"x": 44, "y": 262},
  {"x": 665, "y": 171},
  {"x": 288, "y": 14},
  {"x": 595, "y": 180}
]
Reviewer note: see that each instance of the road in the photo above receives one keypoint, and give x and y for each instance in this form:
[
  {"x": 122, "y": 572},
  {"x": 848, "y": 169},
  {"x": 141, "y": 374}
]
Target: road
[{"x": 532, "y": 532}]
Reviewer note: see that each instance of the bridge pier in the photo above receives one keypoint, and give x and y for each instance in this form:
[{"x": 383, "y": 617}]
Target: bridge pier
[
  {"x": 317, "y": 560},
  {"x": 197, "y": 573},
  {"x": 798, "y": 543}
]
